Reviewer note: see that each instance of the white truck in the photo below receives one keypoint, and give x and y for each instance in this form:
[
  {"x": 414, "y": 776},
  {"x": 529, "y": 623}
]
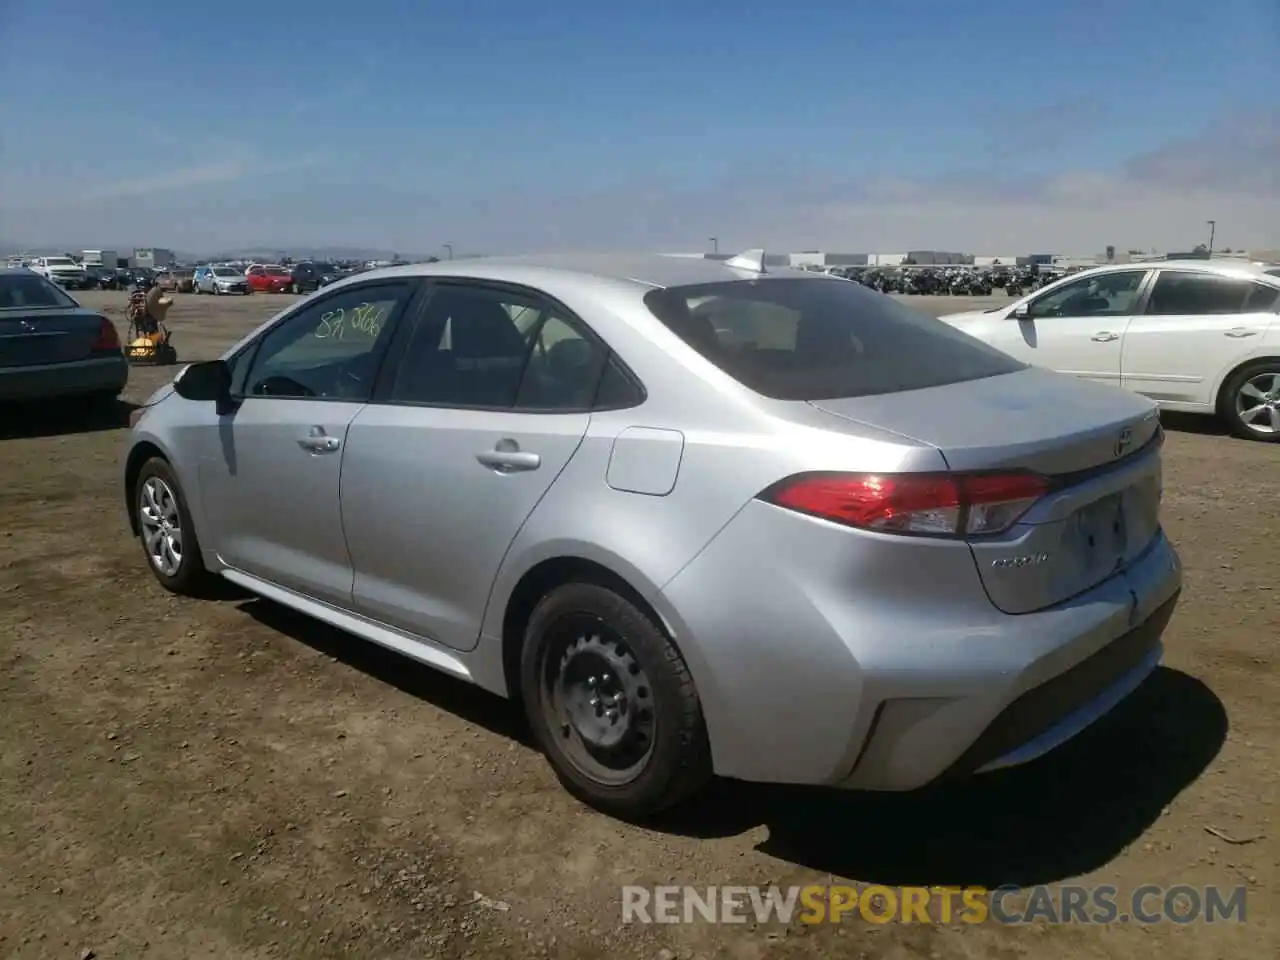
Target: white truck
[
  {"x": 63, "y": 271},
  {"x": 100, "y": 258}
]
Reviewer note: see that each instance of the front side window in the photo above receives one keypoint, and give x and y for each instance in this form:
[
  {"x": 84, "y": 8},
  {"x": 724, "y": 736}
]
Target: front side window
[
  {"x": 1101, "y": 295},
  {"x": 330, "y": 349},
  {"x": 1179, "y": 294},
  {"x": 813, "y": 339}
]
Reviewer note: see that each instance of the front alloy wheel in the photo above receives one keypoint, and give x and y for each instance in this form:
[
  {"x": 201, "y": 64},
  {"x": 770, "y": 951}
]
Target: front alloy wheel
[{"x": 165, "y": 529}]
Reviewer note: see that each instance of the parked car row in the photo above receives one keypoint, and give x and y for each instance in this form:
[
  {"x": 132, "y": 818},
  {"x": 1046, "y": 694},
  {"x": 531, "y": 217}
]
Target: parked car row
[{"x": 304, "y": 277}]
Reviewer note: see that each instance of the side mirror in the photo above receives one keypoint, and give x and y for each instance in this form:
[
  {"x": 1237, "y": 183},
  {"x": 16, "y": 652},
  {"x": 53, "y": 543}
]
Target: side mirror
[
  {"x": 208, "y": 382},
  {"x": 1021, "y": 312}
]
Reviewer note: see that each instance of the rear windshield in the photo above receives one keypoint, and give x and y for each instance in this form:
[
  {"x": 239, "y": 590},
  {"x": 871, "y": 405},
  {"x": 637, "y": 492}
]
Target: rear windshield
[
  {"x": 277, "y": 271},
  {"x": 818, "y": 339},
  {"x": 27, "y": 290},
  {"x": 224, "y": 272}
]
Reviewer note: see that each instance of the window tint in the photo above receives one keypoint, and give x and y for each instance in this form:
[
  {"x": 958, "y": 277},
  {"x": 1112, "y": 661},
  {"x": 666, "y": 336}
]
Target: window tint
[
  {"x": 1189, "y": 294},
  {"x": 1262, "y": 298},
  {"x": 809, "y": 339},
  {"x": 1104, "y": 295},
  {"x": 563, "y": 368},
  {"x": 616, "y": 389},
  {"x": 21, "y": 290},
  {"x": 329, "y": 349},
  {"x": 469, "y": 350}
]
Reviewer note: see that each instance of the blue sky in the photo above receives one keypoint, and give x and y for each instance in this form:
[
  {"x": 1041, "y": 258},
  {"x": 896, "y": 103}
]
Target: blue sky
[{"x": 502, "y": 125}]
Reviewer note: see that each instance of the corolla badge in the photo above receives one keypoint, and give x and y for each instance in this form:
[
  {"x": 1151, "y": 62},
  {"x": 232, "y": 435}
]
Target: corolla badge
[
  {"x": 1123, "y": 442},
  {"x": 1017, "y": 563}
]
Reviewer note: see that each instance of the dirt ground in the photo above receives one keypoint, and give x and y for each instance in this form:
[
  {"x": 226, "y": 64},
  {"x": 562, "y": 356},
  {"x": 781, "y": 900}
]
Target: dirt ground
[{"x": 223, "y": 779}]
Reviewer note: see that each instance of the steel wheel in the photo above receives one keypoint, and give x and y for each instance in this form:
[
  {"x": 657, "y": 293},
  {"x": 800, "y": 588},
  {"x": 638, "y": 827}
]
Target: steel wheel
[
  {"x": 1257, "y": 403},
  {"x": 598, "y": 701},
  {"x": 161, "y": 524}
]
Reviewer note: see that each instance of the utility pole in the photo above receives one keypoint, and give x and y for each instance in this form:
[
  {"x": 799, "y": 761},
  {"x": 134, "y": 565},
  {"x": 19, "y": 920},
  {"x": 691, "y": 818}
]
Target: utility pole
[
  {"x": 715, "y": 244},
  {"x": 1213, "y": 225},
  {"x": 448, "y": 249}
]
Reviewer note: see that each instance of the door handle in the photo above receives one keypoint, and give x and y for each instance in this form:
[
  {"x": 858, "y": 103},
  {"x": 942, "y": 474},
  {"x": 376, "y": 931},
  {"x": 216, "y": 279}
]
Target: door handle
[
  {"x": 1238, "y": 332},
  {"x": 509, "y": 461},
  {"x": 1105, "y": 336},
  {"x": 318, "y": 442}
]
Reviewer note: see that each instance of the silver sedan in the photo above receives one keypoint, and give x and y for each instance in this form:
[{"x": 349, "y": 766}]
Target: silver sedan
[{"x": 696, "y": 516}]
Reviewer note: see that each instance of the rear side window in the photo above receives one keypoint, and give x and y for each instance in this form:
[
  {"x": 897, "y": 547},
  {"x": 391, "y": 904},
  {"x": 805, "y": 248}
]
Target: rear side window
[
  {"x": 1199, "y": 294},
  {"x": 816, "y": 339}
]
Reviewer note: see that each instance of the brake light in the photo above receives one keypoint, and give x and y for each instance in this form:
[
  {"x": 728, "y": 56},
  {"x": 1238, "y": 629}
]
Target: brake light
[
  {"x": 108, "y": 340},
  {"x": 926, "y": 504}
]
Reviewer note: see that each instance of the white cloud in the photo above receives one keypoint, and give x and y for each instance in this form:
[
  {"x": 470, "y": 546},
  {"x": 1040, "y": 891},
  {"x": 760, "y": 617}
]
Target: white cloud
[{"x": 1161, "y": 198}]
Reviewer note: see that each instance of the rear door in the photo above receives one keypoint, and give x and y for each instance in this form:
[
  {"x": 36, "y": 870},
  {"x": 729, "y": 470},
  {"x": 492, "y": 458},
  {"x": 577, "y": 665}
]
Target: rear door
[
  {"x": 1196, "y": 326},
  {"x": 489, "y": 403},
  {"x": 1077, "y": 328}
]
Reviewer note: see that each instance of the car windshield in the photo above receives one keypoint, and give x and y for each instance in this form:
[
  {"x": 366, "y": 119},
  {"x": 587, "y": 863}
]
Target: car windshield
[
  {"x": 324, "y": 268},
  {"x": 277, "y": 271},
  {"x": 815, "y": 339},
  {"x": 224, "y": 272},
  {"x": 59, "y": 261},
  {"x": 25, "y": 290},
  {"x": 1274, "y": 272}
]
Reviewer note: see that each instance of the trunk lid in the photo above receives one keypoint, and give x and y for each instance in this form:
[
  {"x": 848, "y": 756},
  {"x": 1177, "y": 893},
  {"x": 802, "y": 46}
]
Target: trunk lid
[
  {"x": 1099, "y": 445},
  {"x": 31, "y": 337}
]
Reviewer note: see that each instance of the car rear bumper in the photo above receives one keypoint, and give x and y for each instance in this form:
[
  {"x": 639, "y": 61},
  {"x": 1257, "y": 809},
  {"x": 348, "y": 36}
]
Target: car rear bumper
[
  {"x": 99, "y": 375},
  {"x": 826, "y": 656}
]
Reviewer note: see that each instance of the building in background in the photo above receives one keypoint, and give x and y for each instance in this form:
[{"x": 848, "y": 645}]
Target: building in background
[
  {"x": 99, "y": 258},
  {"x": 153, "y": 257}
]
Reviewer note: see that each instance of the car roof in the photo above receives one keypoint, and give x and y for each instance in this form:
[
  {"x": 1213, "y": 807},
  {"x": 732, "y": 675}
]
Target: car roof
[
  {"x": 654, "y": 270},
  {"x": 1225, "y": 268}
]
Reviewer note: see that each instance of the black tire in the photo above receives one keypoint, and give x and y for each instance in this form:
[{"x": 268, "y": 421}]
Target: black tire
[
  {"x": 1229, "y": 409},
  {"x": 678, "y": 761},
  {"x": 190, "y": 574}
]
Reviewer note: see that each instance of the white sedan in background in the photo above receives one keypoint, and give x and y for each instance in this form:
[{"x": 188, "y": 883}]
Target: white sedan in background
[{"x": 1196, "y": 336}]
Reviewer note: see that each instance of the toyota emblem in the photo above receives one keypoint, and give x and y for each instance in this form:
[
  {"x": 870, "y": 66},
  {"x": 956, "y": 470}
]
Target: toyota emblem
[{"x": 1123, "y": 442}]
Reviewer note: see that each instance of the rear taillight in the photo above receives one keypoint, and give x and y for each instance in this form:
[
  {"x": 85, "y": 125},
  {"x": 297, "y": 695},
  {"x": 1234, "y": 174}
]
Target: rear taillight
[
  {"x": 108, "y": 340},
  {"x": 926, "y": 504}
]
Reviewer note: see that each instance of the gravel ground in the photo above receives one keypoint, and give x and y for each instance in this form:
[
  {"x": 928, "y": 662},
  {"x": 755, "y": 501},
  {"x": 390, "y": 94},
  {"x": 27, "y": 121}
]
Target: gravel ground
[{"x": 223, "y": 779}]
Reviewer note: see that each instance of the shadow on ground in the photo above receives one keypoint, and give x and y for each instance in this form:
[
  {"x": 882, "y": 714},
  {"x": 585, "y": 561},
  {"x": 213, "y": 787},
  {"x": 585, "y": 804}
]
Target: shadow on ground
[
  {"x": 462, "y": 699},
  {"x": 57, "y": 418},
  {"x": 1190, "y": 423},
  {"x": 1068, "y": 813}
]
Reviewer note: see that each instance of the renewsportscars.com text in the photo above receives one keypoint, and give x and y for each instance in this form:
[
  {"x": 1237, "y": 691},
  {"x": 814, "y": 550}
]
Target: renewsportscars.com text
[{"x": 1058, "y": 904}]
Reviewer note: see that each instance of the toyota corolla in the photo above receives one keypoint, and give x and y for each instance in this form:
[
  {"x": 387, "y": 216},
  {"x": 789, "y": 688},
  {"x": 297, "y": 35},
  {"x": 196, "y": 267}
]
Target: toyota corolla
[{"x": 696, "y": 516}]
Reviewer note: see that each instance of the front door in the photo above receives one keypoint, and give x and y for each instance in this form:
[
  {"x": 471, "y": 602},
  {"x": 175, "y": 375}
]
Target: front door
[
  {"x": 1078, "y": 327},
  {"x": 1196, "y": 326},
  {"x": 488, "y": 405},
  {"x": 270, "y": 476}
]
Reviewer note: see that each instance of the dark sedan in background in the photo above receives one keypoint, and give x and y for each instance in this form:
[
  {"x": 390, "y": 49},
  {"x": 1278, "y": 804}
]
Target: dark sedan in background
[
  {"x": 51, "y": 347},
  {"x": 308, "y": 277}
]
